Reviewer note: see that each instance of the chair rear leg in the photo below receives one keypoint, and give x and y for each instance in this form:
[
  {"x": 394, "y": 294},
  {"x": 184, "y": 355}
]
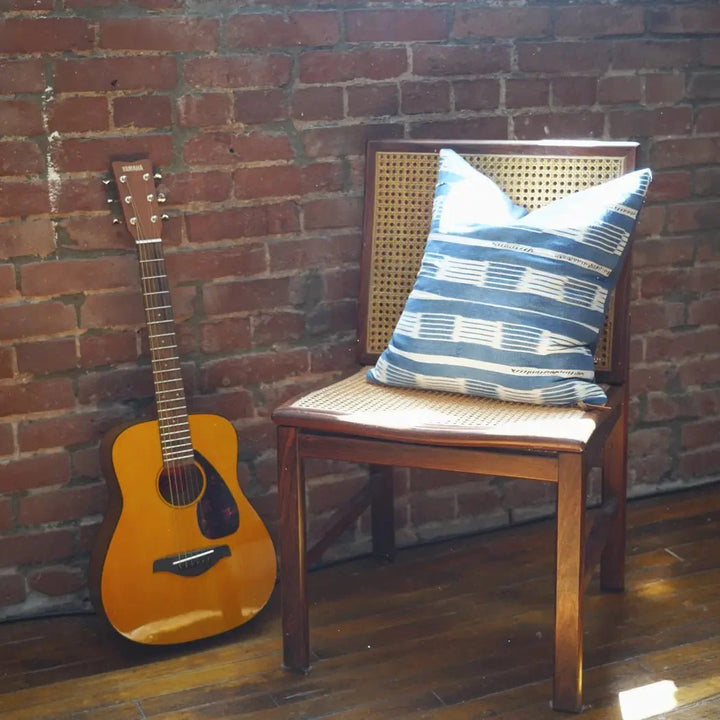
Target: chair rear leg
[
  {"x": 383, "y": 511},
  {"x": 570, "y": 571},
  {"x": 614, "y": 488},
  {"x": 292, "y": 535}
]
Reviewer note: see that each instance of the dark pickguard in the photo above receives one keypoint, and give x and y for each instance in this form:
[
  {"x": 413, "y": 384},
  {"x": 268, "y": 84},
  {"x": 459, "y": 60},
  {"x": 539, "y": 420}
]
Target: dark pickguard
[{"x": 217, "y": 512}]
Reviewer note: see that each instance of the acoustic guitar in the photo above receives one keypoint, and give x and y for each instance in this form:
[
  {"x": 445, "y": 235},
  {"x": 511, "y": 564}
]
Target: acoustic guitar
[{"x": 181, "y": 554}]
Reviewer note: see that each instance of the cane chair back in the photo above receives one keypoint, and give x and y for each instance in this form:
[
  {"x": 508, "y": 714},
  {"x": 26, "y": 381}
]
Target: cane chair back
[{"x": 401, "y": 177}]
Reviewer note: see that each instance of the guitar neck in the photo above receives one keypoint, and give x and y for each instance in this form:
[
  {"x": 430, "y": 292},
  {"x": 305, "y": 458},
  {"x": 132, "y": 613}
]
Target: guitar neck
[
  {"x": 139, "y": 203},
  {"x": 167, "y": 374}
]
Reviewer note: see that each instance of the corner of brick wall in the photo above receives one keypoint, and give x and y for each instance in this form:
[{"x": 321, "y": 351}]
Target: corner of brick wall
[{"x": 258, "y": 113}]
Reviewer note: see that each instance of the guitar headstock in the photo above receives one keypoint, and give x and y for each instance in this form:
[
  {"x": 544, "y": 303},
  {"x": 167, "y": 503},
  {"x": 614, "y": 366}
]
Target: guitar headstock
[{"x": 138, "y": 198}]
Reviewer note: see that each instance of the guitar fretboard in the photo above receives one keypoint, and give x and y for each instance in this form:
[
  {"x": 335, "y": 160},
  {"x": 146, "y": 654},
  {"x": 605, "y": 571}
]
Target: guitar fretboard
[{"x": 172, "y": 411}]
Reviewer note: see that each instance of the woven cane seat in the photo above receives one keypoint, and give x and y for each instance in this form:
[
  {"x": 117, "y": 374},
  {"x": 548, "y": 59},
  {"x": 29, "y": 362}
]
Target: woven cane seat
[{"x": 402, "y": 413}]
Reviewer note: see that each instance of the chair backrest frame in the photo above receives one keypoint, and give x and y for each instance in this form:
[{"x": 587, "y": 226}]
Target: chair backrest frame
[{"x": 400, "y": 177}]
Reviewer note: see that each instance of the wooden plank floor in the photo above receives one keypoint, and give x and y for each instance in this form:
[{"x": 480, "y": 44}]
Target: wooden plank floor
[{"x": 453, "y": 631}]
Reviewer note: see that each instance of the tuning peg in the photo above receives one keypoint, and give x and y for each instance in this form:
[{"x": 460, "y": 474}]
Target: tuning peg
[
  {"x": 161, "y": 198},
  {"x": 116, "y": 221},
  {"x": 164, "y": 216},
  {"x": 107, "y": 181},
  {"x": 157, "y": 176},
  {"x": 110, "y": 201}
]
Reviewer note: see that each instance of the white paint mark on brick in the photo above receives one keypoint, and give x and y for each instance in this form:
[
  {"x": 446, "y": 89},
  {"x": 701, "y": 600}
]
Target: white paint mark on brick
[{"x": 54, "y": 140}]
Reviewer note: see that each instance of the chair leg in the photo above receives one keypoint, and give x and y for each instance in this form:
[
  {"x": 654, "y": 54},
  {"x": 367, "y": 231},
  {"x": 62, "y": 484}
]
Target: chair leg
[
  {"x": 383, "y": 511},
  {"x": 570, "y": 554},
  {"x": 293, "y": 571},
  {"x": 614, "y": 488}
]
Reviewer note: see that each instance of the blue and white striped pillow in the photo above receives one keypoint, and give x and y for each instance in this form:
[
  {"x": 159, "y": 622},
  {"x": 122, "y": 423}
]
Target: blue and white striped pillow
[{"x": 509, "y": 305}]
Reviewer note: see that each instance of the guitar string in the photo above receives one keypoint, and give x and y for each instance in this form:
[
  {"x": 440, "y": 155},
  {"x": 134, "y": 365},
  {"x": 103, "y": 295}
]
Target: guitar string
[
  {"x": 161, "y": 292},
  {"x": 174, "y": 471},
  {"x": 184, "y": 480},
  {"x": 176, "y": 474}
]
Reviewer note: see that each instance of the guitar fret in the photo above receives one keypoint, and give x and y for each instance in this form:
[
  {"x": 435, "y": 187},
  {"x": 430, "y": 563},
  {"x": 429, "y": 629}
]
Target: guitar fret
[
  {"x": 154, "y": 277},
  {"x": 175, "y": 369},
  {"x": 170, "y": 334},
  {"x": 157, "y": 322},
  {"x": 176, "y": 441},
  {"x": 158, "y": 307},
  {"x": 159, "y": 292},
  {"x": 173, "y": 445},
  {"x": 163, "y": 421},
  {"x": 165, "y": 392},
  {"x": 148, "y": 240},
  {"x": 179, "y": 456},
  {"x": 173, "y": 357},
  {"x": 165, "y": 432},
  {"x": 171, "y": 380},
  {"x": 174, "y": 432},
  {"x": 184, "y": 422},
  {"x": 179, "y": 437}
]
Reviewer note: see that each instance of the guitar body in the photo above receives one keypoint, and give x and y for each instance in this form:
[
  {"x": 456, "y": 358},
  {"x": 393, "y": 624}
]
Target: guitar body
[{"x": 170, "y": 568}]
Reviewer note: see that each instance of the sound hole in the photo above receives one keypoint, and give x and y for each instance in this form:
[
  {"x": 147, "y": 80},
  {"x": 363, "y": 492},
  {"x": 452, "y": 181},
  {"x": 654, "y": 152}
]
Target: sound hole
[{"x": 181, "y": 485}]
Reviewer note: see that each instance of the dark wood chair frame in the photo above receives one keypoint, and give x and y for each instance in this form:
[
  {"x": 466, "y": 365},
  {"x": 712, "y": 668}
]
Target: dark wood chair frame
[{"x": 584, "y": 537}]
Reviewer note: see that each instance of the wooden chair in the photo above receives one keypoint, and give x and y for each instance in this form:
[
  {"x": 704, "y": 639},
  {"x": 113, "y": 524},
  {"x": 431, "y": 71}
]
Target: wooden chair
[{"x": 352, "y": 420}]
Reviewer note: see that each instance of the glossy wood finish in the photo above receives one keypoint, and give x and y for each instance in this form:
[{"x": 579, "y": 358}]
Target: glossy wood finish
[
  {"x": 382, "y": 511},
  {"x": 569, "y": 582},
  {"x": 563, "y": 458},
  {"x": 574, "y": 565},
  {"x": 614, "y": 489},
  {"x": 291, "y": 496},
  {"x": 180, "y": 554},
  {"x": 140, "y": 527},
  {"x": 462, "y": 630}
]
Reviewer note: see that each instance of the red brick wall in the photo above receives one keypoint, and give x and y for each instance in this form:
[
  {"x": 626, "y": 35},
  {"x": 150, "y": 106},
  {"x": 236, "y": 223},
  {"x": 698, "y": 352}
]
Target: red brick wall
[{"x": 258, "y": 113}]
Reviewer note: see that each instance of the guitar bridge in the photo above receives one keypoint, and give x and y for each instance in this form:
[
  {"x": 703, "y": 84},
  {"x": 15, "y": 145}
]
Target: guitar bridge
[{"x": 193, "y": 563}]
